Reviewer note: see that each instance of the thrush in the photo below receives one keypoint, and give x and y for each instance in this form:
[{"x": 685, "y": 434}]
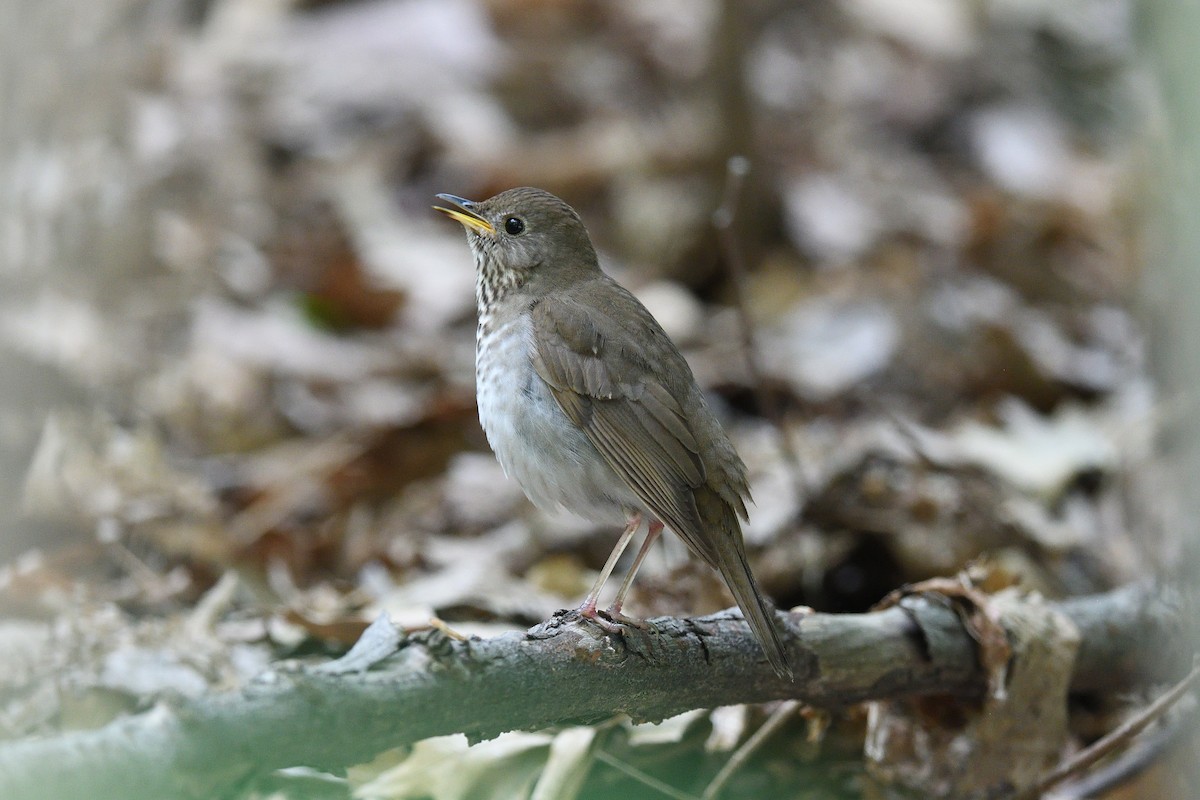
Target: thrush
[{"x": 589, "y": 405}]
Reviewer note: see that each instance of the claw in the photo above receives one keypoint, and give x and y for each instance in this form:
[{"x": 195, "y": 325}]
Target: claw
[
  {"x": 600, "y": 619},
  {"x": 614, "y": 615}
]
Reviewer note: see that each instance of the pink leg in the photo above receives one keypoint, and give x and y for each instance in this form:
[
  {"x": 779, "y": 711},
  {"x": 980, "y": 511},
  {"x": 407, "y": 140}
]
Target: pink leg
[
  {"x": 651, "y": 536},
  {"x": 588, "y": 609}
]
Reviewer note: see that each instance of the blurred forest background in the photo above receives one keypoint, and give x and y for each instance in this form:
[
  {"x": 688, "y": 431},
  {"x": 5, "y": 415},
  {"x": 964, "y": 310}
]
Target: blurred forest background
[{"x": 237, "y": 415}]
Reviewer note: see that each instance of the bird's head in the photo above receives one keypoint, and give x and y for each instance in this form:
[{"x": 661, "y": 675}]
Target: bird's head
[{"x": 523, "y": 237}]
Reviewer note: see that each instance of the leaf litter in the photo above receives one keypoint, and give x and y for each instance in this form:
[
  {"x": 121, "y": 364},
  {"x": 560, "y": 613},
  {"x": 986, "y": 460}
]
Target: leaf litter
[{"x": 269, "y": 353}]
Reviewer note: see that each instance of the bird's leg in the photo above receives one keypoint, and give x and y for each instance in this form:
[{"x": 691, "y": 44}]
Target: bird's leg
[
  {"x": 588, "y": 609},
  {"x": 652, "y": 533}
]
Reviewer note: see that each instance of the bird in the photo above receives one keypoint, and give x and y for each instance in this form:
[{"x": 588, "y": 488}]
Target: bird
[{"x": 589, "y": 405}]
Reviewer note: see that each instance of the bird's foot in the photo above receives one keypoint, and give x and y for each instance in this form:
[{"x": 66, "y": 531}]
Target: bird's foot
[
  {"x": 611, "y": 620},
  {"x": 600, "y": 619},
  {"x": 613, "y": 614}
]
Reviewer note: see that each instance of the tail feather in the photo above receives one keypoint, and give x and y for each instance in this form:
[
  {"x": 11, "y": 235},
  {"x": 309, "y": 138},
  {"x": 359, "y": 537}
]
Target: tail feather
[
  {"x": 757, "y": 609},
  {"x": 720, "y": 544}
]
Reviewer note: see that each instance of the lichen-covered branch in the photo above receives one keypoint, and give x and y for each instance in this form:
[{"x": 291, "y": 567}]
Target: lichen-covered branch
[{"x": 562, "y": 671}]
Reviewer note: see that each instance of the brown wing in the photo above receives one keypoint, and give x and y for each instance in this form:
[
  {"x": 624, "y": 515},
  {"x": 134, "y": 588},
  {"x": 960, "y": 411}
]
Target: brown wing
[
  {"x": 626, "y": 387},
  {"x": 605, "y": 379}
]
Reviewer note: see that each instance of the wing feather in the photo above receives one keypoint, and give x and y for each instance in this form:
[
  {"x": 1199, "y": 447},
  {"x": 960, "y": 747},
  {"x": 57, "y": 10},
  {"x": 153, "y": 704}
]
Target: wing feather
[{"x": 628, "y": 415}]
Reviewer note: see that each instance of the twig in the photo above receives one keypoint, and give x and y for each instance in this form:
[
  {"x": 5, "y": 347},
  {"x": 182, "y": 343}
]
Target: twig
[
  {"x": 642, "y": 777},
  {"x": 1113, "y": 740},
  {"x": 1123, "y": 768},
  {"x": 743, "y": 753},
  {"x": 737, "y": 168}
]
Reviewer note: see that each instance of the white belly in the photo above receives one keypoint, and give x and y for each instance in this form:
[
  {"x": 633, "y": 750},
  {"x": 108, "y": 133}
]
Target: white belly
[{"x": 536, "y": 444}]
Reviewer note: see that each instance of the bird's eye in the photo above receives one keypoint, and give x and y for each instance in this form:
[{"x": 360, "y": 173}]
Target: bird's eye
[{"x": 514, "y": 225}]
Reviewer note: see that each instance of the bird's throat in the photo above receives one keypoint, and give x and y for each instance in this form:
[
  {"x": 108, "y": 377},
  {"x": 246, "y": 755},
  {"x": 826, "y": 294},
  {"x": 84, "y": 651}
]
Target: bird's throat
[{"x": 493, "y": 282}]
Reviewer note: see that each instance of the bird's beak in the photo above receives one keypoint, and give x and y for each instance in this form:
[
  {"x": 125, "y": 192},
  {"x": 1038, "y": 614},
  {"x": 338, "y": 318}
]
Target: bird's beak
[{"x": 464, "y": 214}]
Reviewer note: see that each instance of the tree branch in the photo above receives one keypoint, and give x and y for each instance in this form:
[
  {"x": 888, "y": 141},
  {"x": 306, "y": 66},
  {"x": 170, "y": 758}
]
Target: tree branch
[{"x": 563, "y": 671}]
